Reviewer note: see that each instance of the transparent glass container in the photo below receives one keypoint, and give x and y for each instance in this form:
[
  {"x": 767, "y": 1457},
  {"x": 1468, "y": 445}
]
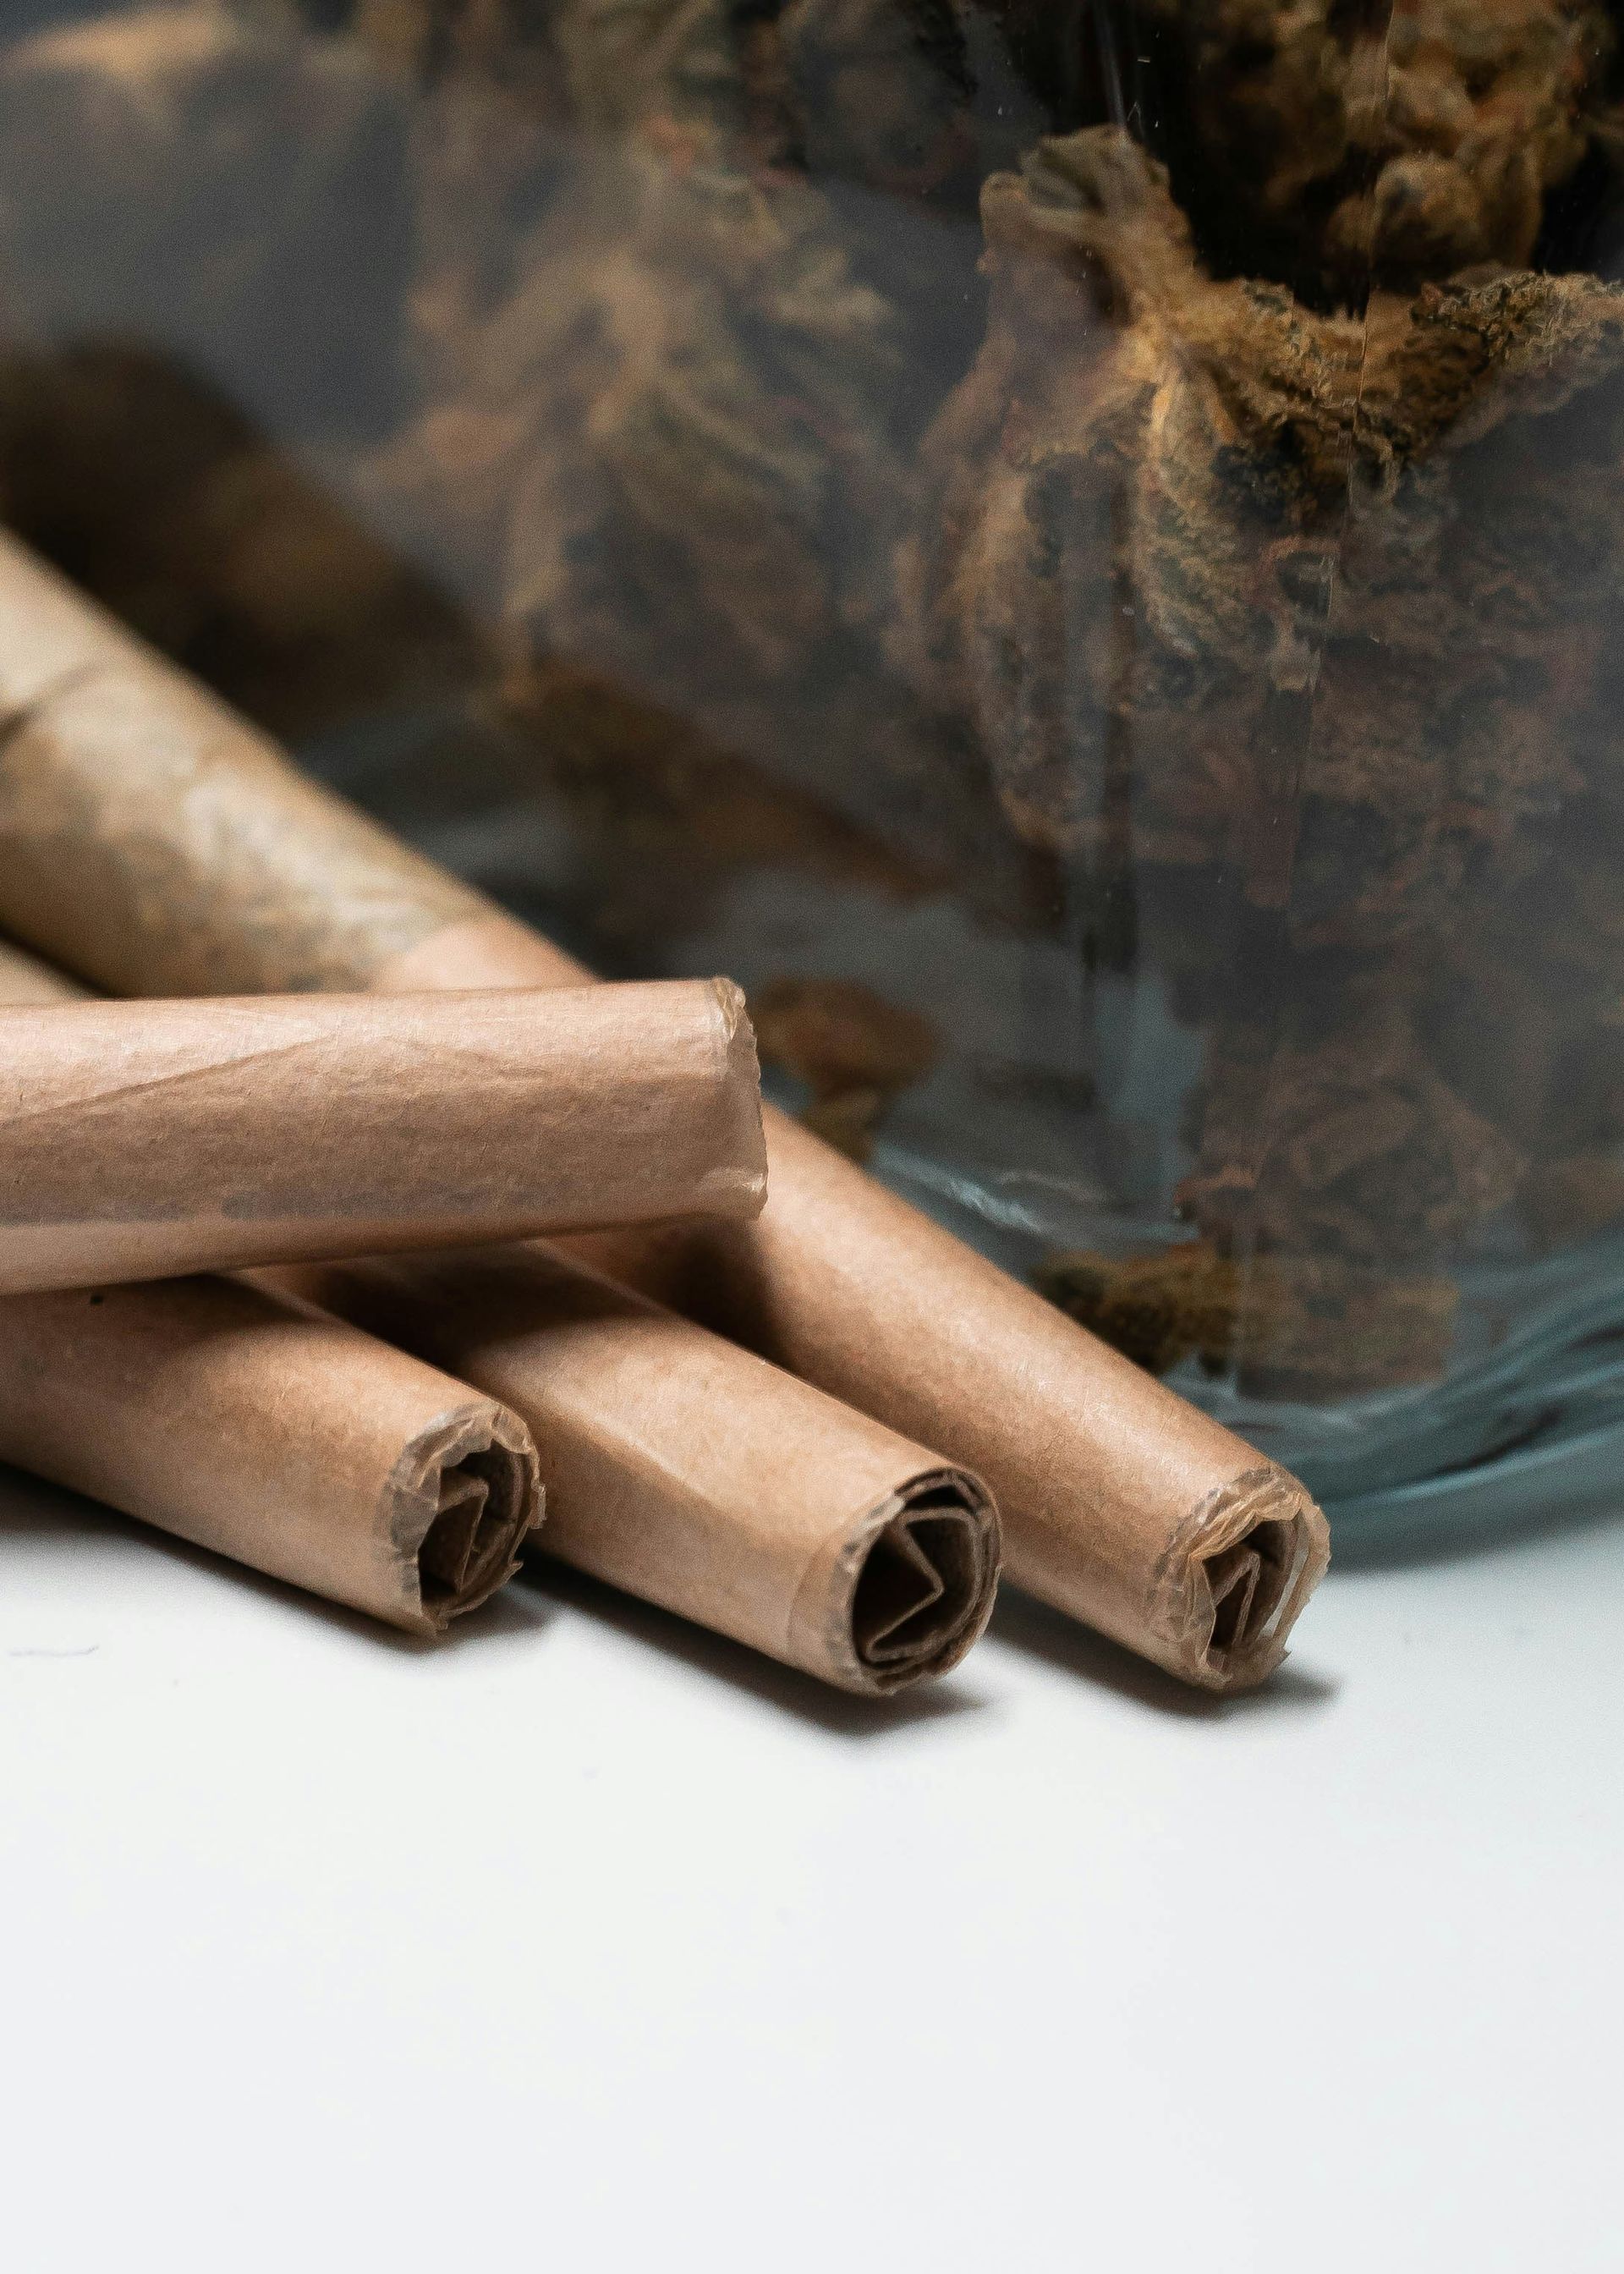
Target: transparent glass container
[{"x": 1073, "y": 549}]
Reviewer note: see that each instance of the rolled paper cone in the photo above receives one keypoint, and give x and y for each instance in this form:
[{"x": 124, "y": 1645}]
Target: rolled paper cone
[
  {"x": 247, "y": 1422},
  {"x": 252, "y": 1424},
  {"x": 204, "y": 862},
  {"x": 142, "y": 1139},
  {"x": 686, "y": 1471}
]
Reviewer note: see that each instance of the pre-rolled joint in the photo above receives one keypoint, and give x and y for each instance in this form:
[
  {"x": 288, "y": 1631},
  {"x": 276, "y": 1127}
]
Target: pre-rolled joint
[
  {"x": 922, "y": 1590},
  {"x": 1235, "y": 1576},
  {"x": 467, "y": 1497}
]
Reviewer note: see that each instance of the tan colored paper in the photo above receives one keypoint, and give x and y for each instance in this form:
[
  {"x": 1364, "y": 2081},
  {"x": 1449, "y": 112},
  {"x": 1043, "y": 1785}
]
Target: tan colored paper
[
  {"x": 249, "y": 1423},
  {"x": 688, "y": 1473},
  {"x": 141, "y": 1139},
  {"x": 203, "y": 863}
]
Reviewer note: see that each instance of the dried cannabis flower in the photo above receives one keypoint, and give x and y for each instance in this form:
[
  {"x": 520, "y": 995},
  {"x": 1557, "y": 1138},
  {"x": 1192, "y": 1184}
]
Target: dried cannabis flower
[
  {"x": 1299, "y": 1327},
  {"x": 1130, "y": 506},
  {"x": 1229, "y": 589},
  {"x": 1329, "y": 145}
]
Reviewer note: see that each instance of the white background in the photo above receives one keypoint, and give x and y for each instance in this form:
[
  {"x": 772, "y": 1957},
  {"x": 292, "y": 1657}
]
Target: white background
[{"x": 585, "y": 1942}]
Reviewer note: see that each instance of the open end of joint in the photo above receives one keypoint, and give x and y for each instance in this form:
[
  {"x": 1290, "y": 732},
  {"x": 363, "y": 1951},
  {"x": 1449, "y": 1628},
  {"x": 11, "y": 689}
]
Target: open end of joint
[
  {"x": 924, "y": 1586},
  {"x": 469, "y": 1547},
  {"x": 1248, "y": 1583}
]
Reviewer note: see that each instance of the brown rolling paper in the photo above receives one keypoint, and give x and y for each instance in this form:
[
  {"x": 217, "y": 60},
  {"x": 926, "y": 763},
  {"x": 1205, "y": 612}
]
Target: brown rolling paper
[
  {"x": 247, "y": 1422},
  {"x": 203, "y": 863},
  {"x": 688, "y": 1473},
  {"x": 250, "y": 1423},
  {"x": 141, "y": 1139}
]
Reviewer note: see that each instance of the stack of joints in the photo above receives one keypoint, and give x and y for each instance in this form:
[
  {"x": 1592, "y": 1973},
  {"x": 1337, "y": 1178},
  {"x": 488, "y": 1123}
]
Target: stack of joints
[
  {"x": 211, "y": 867},
  {"x": 246, "y": 1415}
]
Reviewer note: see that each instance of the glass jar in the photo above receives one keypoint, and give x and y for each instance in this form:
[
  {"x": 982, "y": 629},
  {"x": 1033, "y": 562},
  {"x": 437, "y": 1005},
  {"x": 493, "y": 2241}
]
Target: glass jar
[{"x": 1072, "y": 548}]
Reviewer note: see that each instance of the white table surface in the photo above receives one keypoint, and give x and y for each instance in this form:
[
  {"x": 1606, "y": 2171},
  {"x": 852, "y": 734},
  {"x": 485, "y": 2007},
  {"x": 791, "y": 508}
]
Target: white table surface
[{"x": 585, "y": 1942}]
